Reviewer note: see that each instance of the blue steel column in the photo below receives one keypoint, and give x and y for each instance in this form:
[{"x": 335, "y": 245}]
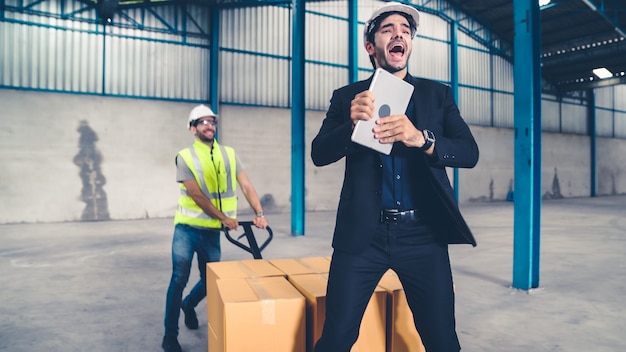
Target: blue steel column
[
  {"x": 527, "y": 123},
  {"x": 454, "y": 84},
  {"x": 214, "y": 57},
  {"x": 104, "y": 58},
  {"x": 591, "y": 115},
  {"x": 297, "y": 119},
  {"x": 353, "y": 41}
]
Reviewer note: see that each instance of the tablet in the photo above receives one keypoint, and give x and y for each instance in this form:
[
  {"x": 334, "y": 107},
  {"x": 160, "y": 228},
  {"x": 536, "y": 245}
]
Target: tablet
[{"x": 392, "y": 98}]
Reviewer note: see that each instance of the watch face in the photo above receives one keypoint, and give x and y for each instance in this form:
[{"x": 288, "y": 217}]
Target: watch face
[
  {"x": 428, "y": 135},
  {"x": 429, "y": 139}
]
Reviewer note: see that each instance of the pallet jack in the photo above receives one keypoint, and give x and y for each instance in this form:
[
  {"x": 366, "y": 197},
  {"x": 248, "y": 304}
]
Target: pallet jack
[{"x": 252, "y": 246}]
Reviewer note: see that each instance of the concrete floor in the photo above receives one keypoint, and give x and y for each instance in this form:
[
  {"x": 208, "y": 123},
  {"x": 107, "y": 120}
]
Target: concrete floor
[{"x": 100, "y": 286}]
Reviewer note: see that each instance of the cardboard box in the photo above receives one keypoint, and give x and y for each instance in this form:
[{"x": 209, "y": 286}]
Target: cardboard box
[
  {"x": 401, "y": 333},
  {"x": 372, "y": 332},
  {"x": 299, "y": 266},
  {"x": 241, "y": 269},
  {"x": 257, "y": 314}
]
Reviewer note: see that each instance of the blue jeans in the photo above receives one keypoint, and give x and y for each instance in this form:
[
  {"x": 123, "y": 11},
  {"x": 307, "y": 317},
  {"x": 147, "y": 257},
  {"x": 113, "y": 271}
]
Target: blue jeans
[{"x": 186, "y": 241}]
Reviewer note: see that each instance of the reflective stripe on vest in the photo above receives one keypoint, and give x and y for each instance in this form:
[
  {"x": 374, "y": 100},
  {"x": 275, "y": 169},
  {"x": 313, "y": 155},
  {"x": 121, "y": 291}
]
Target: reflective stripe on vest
[{"x": 210, "y": 169}]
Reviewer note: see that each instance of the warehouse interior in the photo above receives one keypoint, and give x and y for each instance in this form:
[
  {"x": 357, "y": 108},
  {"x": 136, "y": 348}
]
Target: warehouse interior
[{"x": 95, "y": 95}]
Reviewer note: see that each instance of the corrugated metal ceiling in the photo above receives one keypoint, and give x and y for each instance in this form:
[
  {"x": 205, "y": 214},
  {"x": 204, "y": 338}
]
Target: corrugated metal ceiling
[{"x": 577, "y": 36}]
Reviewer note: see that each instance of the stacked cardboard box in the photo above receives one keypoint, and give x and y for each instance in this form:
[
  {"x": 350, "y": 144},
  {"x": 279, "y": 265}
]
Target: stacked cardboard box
[
  {"x": 315, "y": 300},
  {"x": 372, "y": 331},
  {"x": 279, "y": 305},
  {"x": 252, "y": 307},
  {"x": 299, "y": 266},
  {"x": 310, "y": 277},
  {"x": 401, "y": 333},
  {"x": 242, "y": 269},
  {"x": 262, "y": 314}
]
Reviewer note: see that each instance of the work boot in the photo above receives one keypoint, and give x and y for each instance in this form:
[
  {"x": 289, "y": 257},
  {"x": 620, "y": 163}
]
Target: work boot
[
  {"x": 191, "y": 320},
  {"x": 170, "y": 344}
]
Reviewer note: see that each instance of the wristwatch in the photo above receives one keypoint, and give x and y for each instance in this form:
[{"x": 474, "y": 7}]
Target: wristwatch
[{"x": 429, "y": 139}]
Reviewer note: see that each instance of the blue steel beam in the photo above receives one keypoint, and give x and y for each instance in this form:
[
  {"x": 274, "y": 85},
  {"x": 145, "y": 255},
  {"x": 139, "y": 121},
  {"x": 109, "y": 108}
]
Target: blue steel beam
[
  {"x": 353, "y": 41},
  {"x": 104, "y": 58},
  {"x": 454, "y": 84},
  {"x": 470, "y": 25},
  {"x": 214, "y": 54},
  {"x": 527, "y": 130},
  {"x": 606, "y": 16},
  {"x": 591, "y": 116},
  {"x": 297, "y": 118}
]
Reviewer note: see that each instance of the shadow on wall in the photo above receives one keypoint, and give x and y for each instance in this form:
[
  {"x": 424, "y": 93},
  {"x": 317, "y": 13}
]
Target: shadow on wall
[
  {"x": 554, "y": 194},
  {"x": 489, "y": 198},
  {"x": 89, "y": 161},
  {"x": 556, "y": 188},
  {"x": 267, "y": 202}
]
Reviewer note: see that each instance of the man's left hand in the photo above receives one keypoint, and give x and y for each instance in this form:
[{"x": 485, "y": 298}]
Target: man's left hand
[
  {"x": 398, "y": 128},
  {"x": 260, "y": 222}
]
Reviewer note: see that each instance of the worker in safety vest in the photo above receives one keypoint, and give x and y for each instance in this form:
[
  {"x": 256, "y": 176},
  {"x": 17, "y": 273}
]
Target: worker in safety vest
[{"x": 208, "y": 174}]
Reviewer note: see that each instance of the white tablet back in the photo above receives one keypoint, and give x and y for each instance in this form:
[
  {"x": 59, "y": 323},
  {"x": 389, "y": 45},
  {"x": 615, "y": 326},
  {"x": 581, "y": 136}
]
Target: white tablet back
[{"x": 392, "y": 98}]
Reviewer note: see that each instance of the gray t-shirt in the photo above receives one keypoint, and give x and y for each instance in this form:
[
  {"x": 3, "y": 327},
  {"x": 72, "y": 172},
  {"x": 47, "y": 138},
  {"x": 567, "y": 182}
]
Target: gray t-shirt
[{"x": 183, "y": 172}]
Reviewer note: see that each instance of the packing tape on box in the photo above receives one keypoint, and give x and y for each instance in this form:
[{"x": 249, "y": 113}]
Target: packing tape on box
[
  {"x": 307, "y": 265},
  {"x": 268, "y": 303},
  {"x": 246, "y": 269},
  {"x": 323, "y": 276}
]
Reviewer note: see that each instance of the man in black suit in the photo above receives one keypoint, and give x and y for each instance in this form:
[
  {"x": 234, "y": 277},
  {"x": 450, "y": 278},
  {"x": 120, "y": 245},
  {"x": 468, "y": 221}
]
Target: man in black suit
[{"x": 396, "y": 211}]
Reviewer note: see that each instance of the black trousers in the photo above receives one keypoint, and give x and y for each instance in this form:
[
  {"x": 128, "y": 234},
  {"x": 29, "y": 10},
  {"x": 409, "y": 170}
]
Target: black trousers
[{"x": 423, "y": 267}]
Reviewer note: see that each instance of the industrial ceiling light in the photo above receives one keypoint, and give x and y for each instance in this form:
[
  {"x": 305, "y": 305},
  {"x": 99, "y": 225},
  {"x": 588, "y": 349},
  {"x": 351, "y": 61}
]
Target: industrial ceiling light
[
  {"x": 602, "y": 72},
  {"x": 543, "y": 2}
]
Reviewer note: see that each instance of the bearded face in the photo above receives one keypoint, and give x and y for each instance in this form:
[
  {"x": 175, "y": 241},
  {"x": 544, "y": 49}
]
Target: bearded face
[{"x": 392, "y": 44}]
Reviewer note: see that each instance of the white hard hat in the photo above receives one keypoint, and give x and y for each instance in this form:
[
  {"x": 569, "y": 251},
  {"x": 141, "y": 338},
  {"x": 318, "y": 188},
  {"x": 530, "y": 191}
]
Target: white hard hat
[
  {"x": 390, "y": 7},
  {"x": 199, "y": 112}
]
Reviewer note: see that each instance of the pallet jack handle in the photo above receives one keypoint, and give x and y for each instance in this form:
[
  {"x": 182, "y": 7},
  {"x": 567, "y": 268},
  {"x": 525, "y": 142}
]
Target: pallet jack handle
[{"x": 252, "y": 246}]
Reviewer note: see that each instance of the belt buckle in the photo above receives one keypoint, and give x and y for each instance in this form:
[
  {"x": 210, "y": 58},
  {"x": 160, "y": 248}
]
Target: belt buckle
[
  {"x": 389, "y": 216},
  {"x": 394, "y": 214}
]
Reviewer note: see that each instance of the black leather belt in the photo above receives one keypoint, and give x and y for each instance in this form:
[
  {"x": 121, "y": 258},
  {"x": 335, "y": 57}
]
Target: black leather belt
[{"x": 392, "y": 216}]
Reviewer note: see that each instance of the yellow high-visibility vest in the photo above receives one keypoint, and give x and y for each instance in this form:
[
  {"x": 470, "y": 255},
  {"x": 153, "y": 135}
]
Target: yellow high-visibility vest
[{"x": 211, "y": 169}]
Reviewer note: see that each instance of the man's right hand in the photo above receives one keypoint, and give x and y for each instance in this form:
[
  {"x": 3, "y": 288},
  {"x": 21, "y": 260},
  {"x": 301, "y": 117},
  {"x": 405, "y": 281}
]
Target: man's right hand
[
  {"x": 230, "y": 224},
  {"x": 362, "y": 107}
]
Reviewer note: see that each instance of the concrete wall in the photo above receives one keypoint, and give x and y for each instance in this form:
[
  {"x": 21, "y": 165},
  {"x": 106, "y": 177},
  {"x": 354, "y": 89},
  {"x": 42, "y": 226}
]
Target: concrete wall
[
  {"x": 78, "y": 157},
  {"x": 126, "y": 146}
]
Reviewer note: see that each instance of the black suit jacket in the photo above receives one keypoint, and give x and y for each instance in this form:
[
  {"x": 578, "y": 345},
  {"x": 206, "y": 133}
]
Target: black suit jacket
[{"x": 361, "y": 193}]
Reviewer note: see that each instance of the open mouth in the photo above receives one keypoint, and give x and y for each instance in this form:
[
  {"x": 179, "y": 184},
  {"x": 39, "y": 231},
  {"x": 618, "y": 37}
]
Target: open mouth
[{"x": 396, "y": 50}]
